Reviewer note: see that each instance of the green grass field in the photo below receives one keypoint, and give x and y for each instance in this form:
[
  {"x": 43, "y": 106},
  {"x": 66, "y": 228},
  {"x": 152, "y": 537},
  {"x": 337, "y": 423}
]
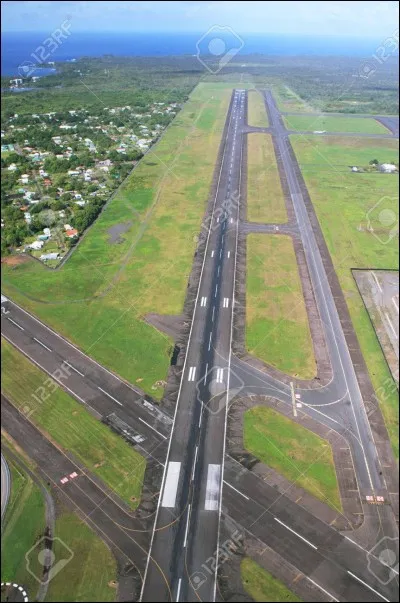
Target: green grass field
[
  {"x": 262, "y": 586},
  {"x": 92, "y": 568},
  {"x": 99, "y": 298},
  {"x": 24, "y": 524},
  {"x": 89, "y": 575},
  {"x": 277, "y": 329},
  {"x": 72, "y": 427},
  {"x": 288, "y": 100},
  {"x": 265, "y": 201},
  {"x": 334, "y": 124},
  {"x": 292, "y": 450},
  {"x": 257, "y": 114},
  {"x": 346, "y": 203}
]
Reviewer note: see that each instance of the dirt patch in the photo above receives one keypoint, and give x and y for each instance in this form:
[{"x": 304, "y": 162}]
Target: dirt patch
[
  {"x": 15, "y": 260},
  {"x": 115, "y": 232}
]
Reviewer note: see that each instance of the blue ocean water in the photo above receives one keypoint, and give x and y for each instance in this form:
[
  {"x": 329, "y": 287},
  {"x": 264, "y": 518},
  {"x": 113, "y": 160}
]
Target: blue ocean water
[{"x": 22, "y": 47}]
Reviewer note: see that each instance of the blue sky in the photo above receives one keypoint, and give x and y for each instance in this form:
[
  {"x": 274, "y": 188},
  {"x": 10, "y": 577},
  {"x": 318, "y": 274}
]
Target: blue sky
[{"x": 342, "y": 18}]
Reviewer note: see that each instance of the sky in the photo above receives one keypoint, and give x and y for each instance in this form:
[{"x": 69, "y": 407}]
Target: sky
[{"x": 374, "y": 20}]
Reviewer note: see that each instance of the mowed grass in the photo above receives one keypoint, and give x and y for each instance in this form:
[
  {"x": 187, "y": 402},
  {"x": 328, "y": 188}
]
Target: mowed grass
[
  {"x": 262, "y": 586},
  {"x": 24, "y": 523},
  {"x": 91, "y": 570},
  {"x": 277, "y": 329},
  {"x": 288, "y": 100},
  {"x": 257, "y": 114},
  {"x": 72, "y": 427},
  {"x": 100, "y": 297},
  {"x": 346, "y": 205},
  {"x": 265, "y": 200},
  {"x": 302, "y": 457},
  {"x": 334, "y": 124}
]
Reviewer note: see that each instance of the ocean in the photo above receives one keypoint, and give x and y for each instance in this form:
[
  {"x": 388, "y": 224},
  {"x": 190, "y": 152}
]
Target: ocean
[{"x": 20, "y": 48}]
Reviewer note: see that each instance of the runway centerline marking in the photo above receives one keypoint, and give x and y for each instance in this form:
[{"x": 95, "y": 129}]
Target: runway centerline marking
[
  {"x": 213, "y": 312},
  {"x": 109, "y": 395},
  {"x": 391, "y": 325},
  {"x": 209, "y": 343},
  {"x": 323, "y": 590},
  {"x": 296, "y": 534},
  {"x": 212, "y": 487},
  {"x": 194, "y": 463},
  {"x": 187, "y": 526},
  {"x": 15, "y": 323},
  {"x": 238, "y": 491},
  {"x": 377, "y": 282},
  {"x": 153, "y": 428},
  {"x": 42, "y": 344},
  {"x": 171, "y": 484},
  {"x": 205, "y": 376},
  {"x": 73, "y": 368},
  {"x": 216, "y": 290},
  {"x": 367, "y": 585}
]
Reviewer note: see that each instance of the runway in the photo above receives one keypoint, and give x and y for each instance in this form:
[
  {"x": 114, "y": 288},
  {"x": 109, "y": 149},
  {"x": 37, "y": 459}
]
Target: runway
[{"x": 5, "y": 485}]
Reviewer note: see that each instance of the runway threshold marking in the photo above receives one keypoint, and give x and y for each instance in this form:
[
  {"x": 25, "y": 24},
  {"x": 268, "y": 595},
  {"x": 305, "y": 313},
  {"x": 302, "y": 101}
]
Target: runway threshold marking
[
  {"x": 109, "y": 395},
  {"x": 153, "y": 428},
  {"x": 212, "y": 487},
  {"x": 73, "y": 368},
  {"x": 15, "y": 323},
  {"x": 367, "y": 585},
  {"x": 391, "y": 325},
  {"x": 192, "y": 373},
  {"x": 296, "y": 534},
  {"x": 220, "y": 375},
  {"x": 171, "y": 484},
  {"x": 238, "y": 491},
  {"x": 42, "y": 344}
]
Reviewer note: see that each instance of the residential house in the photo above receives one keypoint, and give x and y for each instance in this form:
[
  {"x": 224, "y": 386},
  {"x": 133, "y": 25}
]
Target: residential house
[
  {"x": 49, "y": 256},
  {"x": 71, "y": 233},
  {"x": 387, "y": 168}
]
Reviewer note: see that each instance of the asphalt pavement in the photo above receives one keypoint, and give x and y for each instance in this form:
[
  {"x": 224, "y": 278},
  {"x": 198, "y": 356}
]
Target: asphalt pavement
[{"x": 5, "y": 485}]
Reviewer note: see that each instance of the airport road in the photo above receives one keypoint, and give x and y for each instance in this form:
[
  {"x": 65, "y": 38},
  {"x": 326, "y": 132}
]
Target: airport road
[
  {"x": 187, "y": 521},
  {"x": 108, "y": 515},
  {"x": 5, "y": 485},
  {"x": 113, "y": 400},
  {"x": 335, "y": 563}
]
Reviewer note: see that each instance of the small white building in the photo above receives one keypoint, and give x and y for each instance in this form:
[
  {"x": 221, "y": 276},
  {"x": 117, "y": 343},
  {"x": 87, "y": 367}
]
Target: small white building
[
  {"x": 387, "y": 168},
  {"x": 12, "y": 167},
  {"x": 36, "y": 245}
]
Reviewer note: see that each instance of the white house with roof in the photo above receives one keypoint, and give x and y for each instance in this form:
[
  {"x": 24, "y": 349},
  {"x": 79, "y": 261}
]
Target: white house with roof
[{"x": 387, "y": 168}]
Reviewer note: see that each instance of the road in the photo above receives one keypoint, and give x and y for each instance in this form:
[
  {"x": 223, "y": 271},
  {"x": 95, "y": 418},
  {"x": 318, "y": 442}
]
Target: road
[
  {"x": 113, "y": 400},
  {"x": 5, "y": 485}
]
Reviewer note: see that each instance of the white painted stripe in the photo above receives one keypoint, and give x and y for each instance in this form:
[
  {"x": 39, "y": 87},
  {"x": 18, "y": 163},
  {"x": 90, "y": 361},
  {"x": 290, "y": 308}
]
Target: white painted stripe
[
  {"x": 194, "y": 464},
  {"x": 109, "y": 395},
  {"x": 231, "y": 220},
  {"x": 220, "y": 375},
  {"x": 226, "y": 302},
  {"x": 368, "y": 586},
  {"x": 229, "y": 254},
  {"x": 298, "y": 535},
  {"x": 73, "y": 368},
  {"x": 377, "y": 282},
  {"x": 205, "y": 376},
  {"x": 391, "y": 325},
  {"x": 220, "y": 254},
  {"x": 212, "y": 253},
  {"x": 203, "y": 301},
  {"x": 178, "y": 592},
  {"x": 396, "y": 305},
  {"x": 238, "y": 491},
  {"x": 323, "y": 590},
  {"x": 42, "y": 344},
  {"x": 213, "y": 312},
  {"x": 187, "y": 526},
  {"x": 15, "y": 323},
  {"x": 216, "y": 290},
  {"x": 219, "y": 268},
  {"x": 3, "y": 298},
  {"x": 212, "y": 488},
  {"x": 209, "y": 343},
  {"x": 192, "y": 373},
  {"x": 201, "y": 414},
  {"x": 153, "y": 428},
  {"x": 171, "y": 484}
]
